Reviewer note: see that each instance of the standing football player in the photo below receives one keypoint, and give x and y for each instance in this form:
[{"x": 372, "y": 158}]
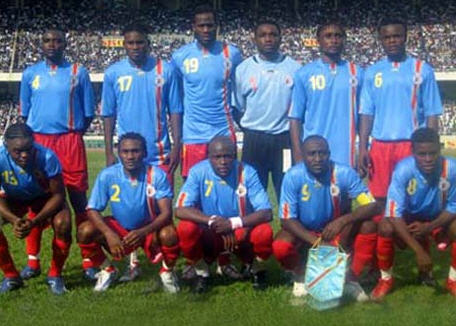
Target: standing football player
[
  {"x": 325, "y": 98},
  {"x": 264, "y": 83},
  {"x": 207, "y": 69},
  {"x": 399, "y": 94},
  {"x": 57, "y": 102}
]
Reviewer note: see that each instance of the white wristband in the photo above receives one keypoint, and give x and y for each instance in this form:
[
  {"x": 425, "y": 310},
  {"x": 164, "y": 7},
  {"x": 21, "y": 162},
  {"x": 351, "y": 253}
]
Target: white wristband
[
  {"x": 211, "y": 220},
  {"x": 236, "y": 222}
]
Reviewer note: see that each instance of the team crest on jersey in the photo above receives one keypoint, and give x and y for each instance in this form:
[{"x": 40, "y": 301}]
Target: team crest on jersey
[
  {"x": 444, "y": 185},
  {"x": 241, "y": 190},
  {"x": 150, "y": 191},
  {"x": 353, "y": 81},
  {"x": 334, "y": 190},
  {"x": 417, "y": 79},
  {"x": 253, "y": 83},
  {"x": 140, "y": 72},
  {"x": 159, "y": 81},
  {"x": 133, "y": 182},
  {"x": 288, "y": 80}
]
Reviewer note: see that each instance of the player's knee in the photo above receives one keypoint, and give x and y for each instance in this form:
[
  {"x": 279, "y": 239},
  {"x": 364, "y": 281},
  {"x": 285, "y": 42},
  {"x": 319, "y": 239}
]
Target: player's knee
[
  {"x": 368, "y": 227},
  {"x": 385, "y": 228},
  {"x": 188, "y": 230},
  {"x": 281, "y": 249},
  {"x": 86, "y": 232},
  {"x": 62, "y": 224},
  {"x": 168, "y": 236}
]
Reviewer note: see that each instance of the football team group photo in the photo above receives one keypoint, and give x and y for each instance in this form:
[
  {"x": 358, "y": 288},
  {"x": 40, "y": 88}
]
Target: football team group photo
[{"x": 246, "y": 156}]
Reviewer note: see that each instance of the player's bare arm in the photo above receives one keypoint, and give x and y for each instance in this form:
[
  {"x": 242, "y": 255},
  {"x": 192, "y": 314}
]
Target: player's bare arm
[
  {"x": 193, "y": 214},
  {"x": 109, "y": 123},
  {"x": 365, "y": 128},
  {"x": 296, "y": 228},
  {"x": 135, "y": 237},
  {"x": 176, "y": 132},
  {"x": 444, "y": 219},
  {"x": 224, "y": 226},
  {"x": 423, "y": 259},
  {"x": 114, "y": 242},
  {"x": 54, "y": 203},
  {"x": 362, "y": 213},
  {"x": 295, "y": 137}
]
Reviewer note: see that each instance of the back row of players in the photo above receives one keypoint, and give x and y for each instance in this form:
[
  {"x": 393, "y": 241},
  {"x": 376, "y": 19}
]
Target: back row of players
[{"x": 223, "y": 202}]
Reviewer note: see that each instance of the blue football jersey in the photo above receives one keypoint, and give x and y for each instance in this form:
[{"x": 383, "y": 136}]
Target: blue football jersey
[
  {"x": 414, "y": 196},
  {"x": 325, "y": 99},
  {"x": 215, "y": 195},
  {"x": 56, "y": 99},
  {"x": 399, "y": 96},
  {"x": 263, "y": 93},
  {"x": 33, "y": 181},
  {"x": 208, "y": 78},
  {"x": 127, "y": 196},
  {"x": 315, "y": 203},
  {"x": 140, "y": 99}
]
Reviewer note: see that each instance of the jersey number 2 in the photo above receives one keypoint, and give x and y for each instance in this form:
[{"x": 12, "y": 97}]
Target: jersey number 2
[{"x": 115, "y": 195}]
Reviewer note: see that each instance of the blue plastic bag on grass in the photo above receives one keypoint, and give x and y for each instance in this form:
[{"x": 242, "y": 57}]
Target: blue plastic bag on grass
[{"x": 325, "y": 276}]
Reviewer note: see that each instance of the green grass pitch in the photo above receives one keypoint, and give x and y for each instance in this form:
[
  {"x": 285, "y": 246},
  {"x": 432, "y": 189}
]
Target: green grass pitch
[{"x": 227, "y": 303}]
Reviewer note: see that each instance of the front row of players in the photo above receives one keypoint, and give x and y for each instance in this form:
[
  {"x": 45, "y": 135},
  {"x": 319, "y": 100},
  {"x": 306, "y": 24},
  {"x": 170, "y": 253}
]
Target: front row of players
[{"x": 223, "y": 209}]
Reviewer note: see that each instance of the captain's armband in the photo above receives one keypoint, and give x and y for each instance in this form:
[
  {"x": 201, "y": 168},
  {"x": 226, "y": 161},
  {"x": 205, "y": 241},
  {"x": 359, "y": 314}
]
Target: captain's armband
[{"x": 365, "y": 198}]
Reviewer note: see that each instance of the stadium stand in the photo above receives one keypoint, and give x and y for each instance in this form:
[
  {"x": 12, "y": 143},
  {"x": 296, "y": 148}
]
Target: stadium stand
[{"x": 432, "y": 30}]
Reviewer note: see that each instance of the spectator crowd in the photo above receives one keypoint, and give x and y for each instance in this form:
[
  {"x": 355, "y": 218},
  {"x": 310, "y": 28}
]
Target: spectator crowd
[{"x": 432, "y": 29}]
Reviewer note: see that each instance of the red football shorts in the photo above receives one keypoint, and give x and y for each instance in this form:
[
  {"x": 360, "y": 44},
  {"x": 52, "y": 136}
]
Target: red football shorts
[
  {"x": 148, "y": 245},
  {"x": 384, "y": 156},
  {"x": 70, "y": 150},
  {"x": 192, "y": 154}
]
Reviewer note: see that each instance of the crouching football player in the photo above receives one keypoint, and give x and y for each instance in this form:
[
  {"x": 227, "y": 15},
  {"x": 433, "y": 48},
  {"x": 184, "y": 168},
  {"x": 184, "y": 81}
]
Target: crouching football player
[
  {"x": 421, "y": 204},
  {"x": 140, "y": 198},
  {"x": 224, "y": 208},
  {"x": 312, "y": 197},
  {"x": 31, "y": 178}
]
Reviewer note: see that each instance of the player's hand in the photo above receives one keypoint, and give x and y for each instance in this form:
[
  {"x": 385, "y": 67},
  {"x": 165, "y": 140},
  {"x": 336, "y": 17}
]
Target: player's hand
[
  {"x": 115, "y": 245},
  {"x": 229, "y": 242},
  {"x": 134, "y": 238},
  {"x": 221, "y": 225},
  {"x": 22, "y": 228},
  {"x": 173, "y": 158},
  {"x": 332, "y": 229},
  {"x": 110, "y": 159},
  {"x": 418, "y": 229},
  {"x": 423, "y": 261},
  {"x": 364, "y": 163}
]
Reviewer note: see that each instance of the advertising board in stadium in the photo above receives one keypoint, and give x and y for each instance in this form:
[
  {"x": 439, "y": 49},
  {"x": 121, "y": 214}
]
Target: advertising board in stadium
[
  {"x": 112, "y": 42},
  {"x": 310, "y": 42}
]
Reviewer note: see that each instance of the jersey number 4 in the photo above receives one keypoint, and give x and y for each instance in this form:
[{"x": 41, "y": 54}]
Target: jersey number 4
[{"x": 36, "y": 82}]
